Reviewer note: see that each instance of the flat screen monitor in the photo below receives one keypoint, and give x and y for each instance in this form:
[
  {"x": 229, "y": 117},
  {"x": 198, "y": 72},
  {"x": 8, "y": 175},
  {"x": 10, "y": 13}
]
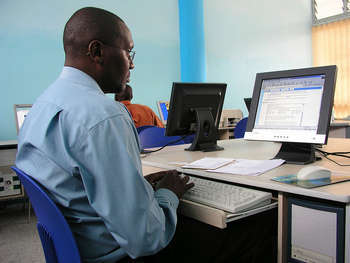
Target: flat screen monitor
[
  {"x": 293, "y": 107},
  {"x": 163, "y": 108},
  {"x": 195, "y": 108},
  {"x": 247, "y": 102}
]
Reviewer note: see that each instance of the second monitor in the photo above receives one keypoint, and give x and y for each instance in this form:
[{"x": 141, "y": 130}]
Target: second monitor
[{"x": 196, "y": 108}]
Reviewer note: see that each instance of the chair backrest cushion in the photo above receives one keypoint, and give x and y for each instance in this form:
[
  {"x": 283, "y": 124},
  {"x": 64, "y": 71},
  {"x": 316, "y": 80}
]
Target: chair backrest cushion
[
  {"x": 55, "y": 234},
  {"x": 155, "y": 137},
  {"x": 240, "y": 128}
]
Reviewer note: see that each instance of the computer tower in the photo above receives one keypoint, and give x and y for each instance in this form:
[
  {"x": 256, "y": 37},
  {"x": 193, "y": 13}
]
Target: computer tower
[{"x": 315, "y": 231}]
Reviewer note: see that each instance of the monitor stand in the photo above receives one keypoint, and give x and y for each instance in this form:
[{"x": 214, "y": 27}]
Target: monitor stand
[
  {"x": 206, "y": 132},
  {"x": 296, "y": 153}
]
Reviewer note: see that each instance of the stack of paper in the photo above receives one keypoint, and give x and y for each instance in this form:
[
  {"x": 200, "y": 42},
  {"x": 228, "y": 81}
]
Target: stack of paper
[
  {"x": 208, "y": 163},
  {"x": 235, "y": 166}
]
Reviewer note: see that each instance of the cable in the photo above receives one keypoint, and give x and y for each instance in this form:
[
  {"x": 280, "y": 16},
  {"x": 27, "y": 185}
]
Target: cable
[
  {"x": 169, "y": 143},
  {"x": 340, "y": 154}
]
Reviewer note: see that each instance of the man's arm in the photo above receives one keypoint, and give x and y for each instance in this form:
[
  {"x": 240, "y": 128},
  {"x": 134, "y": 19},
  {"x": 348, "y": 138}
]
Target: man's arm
[{"x": 141, "y": 220}]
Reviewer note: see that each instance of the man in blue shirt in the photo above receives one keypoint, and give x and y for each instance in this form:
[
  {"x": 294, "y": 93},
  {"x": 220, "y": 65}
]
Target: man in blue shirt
[{"x": 83, "y": 148}]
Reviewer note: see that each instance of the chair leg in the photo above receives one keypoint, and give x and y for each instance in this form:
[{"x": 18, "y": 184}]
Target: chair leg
[{"x": 29, "y": 209}]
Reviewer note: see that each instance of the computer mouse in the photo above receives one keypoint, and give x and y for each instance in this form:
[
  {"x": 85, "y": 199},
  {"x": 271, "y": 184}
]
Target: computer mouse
[{"x": 313, "y": 172}]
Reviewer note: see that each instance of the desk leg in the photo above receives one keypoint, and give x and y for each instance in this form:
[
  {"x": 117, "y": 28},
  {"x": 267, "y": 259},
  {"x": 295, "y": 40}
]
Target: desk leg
[
  {"x": 282, "y": 228},
  {"x": 347, "y": 234}
]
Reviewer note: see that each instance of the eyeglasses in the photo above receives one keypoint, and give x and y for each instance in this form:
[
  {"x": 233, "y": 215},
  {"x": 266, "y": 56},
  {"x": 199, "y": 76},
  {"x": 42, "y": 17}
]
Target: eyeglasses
[{"x": 131, "y": 53}]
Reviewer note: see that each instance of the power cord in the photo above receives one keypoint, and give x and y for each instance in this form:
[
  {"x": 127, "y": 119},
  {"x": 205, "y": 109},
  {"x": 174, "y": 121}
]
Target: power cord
[
  {"x": 340, "y": 154},
  {"x": 143, "y": 151}
]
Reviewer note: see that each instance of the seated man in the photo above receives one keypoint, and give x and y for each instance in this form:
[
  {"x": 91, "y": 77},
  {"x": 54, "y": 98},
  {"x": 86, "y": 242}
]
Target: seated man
[
  {"x": 83, "y": 148},
  {"x": 141, "y": 114},
  {"x": 65, "y": 143}
]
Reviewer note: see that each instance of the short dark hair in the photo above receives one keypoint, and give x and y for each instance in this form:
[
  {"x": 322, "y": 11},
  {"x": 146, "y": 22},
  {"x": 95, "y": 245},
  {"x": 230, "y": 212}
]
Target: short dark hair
[{"x": 87, "y": 24}]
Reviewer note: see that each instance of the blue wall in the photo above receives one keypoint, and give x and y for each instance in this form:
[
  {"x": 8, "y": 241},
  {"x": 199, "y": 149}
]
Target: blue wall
[
  {"x": 192, "y": 41},
  {"x": 239, "y": 41},
  {"x": 32, "y": 50}
]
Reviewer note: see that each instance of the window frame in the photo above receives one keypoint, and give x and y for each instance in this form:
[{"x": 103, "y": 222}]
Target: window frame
[{"x": 330, "y": 19}]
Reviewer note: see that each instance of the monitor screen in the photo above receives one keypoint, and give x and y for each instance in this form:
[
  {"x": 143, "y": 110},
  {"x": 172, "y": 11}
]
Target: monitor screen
[
  {"x": 163, "y": 108},
  {"x": 196, "y": 108},
  {"x": 292, "y": 106}
]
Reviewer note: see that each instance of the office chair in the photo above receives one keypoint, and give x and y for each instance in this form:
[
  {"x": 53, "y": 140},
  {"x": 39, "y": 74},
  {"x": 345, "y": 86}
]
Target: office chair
[
  {"x": 155, "y": 137},
  {"x": 240, "y": 128},
  {"x": 139, "y": 129},
  {"x": 55, "y": 234}
]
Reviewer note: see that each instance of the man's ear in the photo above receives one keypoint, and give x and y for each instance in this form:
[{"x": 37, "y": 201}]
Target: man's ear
[{"x": 95, "y": 51}]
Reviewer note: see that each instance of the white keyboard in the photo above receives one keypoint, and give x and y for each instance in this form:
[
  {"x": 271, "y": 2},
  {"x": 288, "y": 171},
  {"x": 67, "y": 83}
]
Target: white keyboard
[{"x": 224, "y": 196}]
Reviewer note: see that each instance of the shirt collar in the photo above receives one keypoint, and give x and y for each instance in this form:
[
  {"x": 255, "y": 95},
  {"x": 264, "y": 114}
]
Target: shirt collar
[{"x": 78, "y": 76}]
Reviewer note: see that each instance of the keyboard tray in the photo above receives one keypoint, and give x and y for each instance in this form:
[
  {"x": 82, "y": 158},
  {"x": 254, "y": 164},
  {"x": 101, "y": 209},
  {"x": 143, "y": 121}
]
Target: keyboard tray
[{"x": 217, "y": 217}]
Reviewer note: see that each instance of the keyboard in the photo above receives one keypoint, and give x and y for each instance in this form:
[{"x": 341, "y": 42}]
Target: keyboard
[{"x": 225, "y": 196}]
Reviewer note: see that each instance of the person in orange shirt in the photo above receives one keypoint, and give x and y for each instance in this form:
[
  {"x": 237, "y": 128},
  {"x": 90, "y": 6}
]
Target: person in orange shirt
[{"x": 141, "y": 114}]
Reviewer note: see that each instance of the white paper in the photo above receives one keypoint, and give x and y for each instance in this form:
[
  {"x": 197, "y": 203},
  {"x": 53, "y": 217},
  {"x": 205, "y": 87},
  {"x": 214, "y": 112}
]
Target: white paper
[
  {"x": 208, "y": 163},
  {"x": 249, "y": 167}
]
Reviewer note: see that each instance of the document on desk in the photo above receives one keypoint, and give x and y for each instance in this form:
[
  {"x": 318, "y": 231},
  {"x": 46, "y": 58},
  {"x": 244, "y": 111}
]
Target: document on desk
[
  {"x": 248, "y": 167},
  {"x": 208, "y": 163}
]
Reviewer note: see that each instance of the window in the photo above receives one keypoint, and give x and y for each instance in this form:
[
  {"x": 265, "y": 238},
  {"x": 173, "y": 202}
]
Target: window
[
  {"x": 331, "y": 46},
  {"x": 325, "y": 11}
]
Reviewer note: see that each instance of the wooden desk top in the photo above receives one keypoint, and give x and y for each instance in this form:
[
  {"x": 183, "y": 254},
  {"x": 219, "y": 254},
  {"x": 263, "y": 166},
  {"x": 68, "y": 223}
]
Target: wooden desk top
[{"x": 173, "y": 157}]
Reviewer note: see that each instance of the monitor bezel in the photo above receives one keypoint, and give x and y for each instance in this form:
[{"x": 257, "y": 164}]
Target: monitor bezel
[
  {"x": 326, "y": 101},
  {"x": 180, "y": 88}
]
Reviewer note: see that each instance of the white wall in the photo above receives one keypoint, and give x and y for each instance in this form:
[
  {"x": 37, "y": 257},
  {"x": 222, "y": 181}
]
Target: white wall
[{"x": 247, "y": 37}]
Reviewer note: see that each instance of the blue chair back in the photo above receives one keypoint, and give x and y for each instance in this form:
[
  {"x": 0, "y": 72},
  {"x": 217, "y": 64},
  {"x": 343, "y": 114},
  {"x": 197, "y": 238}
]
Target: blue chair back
[
  {"x": 240, "y": 128},
  {"x": 155, "y": 137},
  {"x": 139, "y": 129},
  {"x": 55, "y": 234}
]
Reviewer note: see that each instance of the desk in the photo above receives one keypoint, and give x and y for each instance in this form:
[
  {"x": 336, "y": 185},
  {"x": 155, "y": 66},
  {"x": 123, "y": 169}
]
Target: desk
[
  {"x": 225, "y": 133},
  {"x": 172, "y": 158},
  {"x": 339, "y": 129},
  {"x": 10, "y": 187}
]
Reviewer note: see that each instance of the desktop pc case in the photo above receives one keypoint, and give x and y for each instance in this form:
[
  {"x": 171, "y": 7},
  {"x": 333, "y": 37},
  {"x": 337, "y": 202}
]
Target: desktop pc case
[{"x": 315, "y": 231}]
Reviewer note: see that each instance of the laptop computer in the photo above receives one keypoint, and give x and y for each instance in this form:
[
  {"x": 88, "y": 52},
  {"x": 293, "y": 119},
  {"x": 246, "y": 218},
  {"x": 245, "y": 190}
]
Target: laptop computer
[
  {"x": 163, "y": 108},
  {"x": 21, "y": 111}
]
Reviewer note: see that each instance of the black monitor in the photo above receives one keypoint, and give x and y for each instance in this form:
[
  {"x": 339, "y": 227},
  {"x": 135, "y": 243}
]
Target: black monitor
[
  {"x": 247, "y": 102},
  {"x": 196, "y": 108},
  {"x": 293, "y": 107}
]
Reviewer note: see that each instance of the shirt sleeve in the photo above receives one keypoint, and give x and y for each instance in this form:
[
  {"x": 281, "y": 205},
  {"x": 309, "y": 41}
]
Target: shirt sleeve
[{"x": 142, "y": 221}]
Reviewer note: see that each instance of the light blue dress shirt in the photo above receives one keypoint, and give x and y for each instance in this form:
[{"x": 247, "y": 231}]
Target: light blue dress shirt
[{"x": 83, "y": 147}]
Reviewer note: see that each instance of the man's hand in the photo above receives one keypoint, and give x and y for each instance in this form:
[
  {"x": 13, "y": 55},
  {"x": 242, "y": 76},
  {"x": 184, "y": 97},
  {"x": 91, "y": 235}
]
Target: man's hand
[
  {"x": 170, "y": 180},
  {"x": 154, "y": 178}
]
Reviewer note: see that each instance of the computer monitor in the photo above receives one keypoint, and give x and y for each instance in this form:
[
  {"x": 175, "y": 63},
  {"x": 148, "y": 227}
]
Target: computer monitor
[
  {"x": 196, "y": 108},
  {"x": 247, "y": 102},
  {"x": 163, "y": 108},
  {"x": 21, "y": 111},
  {"x": 293, "y": 107}
]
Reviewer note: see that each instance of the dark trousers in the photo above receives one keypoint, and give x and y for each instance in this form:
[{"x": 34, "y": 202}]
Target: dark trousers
[{"x": 251, "y": 239}]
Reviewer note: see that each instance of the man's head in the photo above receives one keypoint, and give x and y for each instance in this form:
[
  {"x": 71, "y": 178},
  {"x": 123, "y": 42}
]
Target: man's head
[
  {"x": 99, "y": 43},
  {"x": 124, "y": 95}
]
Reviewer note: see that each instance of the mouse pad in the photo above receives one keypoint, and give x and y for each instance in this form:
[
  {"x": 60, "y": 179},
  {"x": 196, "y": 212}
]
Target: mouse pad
[{"x": 292, "y": 179}]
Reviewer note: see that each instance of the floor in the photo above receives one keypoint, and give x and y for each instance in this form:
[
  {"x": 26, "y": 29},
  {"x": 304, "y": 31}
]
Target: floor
[{"x": 19, "y": 240}]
